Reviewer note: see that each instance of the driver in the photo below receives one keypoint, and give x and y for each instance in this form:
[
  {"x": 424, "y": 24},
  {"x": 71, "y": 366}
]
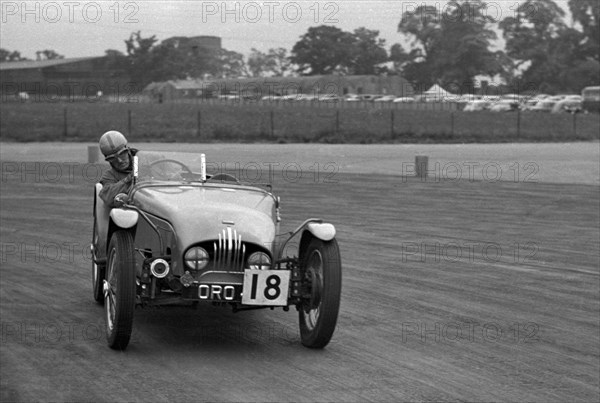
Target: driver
[{"x": 119, "y": 177}]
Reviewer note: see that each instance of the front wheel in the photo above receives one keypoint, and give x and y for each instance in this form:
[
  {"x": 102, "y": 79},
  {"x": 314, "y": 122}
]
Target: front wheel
[
  {"x": 119, "y": 290},
  {"x": 98, "y": 272},
  {"x": 322, "y": 269}
]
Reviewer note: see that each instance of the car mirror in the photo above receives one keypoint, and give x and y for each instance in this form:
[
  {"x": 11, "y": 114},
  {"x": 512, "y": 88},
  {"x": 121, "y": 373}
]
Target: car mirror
[{"x": 121, "y": 199}]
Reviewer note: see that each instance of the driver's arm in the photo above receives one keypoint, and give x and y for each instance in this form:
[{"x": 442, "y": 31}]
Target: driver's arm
[{"x": 112, "y": 185}]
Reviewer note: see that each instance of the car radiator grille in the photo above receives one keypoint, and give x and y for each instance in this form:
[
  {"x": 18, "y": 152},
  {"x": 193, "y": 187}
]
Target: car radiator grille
[{"x": 229, "y": 252}]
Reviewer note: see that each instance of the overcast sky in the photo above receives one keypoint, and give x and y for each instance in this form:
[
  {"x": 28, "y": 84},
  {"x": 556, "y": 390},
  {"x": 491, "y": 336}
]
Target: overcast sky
[{"x": 88, "y": 28}]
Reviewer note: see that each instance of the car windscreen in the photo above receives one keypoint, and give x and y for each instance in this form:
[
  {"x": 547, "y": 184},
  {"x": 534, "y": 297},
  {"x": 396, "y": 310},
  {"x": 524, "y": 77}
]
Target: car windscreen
[{"x": 168, "y": 166}]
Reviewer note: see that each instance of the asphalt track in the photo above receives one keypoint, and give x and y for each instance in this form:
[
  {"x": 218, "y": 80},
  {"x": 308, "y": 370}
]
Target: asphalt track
[{"x": 474, "y": 290}]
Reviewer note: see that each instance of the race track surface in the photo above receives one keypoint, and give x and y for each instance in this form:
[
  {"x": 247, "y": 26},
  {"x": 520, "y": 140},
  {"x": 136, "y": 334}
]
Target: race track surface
[{"x": 471, "y": 290}]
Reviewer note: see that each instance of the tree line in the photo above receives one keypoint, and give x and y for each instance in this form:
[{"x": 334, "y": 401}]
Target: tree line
[{"x": 542, "y": 51}]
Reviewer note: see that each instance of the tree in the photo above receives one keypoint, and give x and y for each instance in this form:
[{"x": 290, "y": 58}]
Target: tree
[
  {"x": 278, "y": 62},
  {"x": 274, "y": 63},
  {"x": 8, "y": 56},
  {"x": 366, "y": 52},
  {"x": 322, "y": 50},
  {"x": 587, "y": 14},
  {"x": 257, "y": 63},
  {"x": 551, "y": 56},
  {"x": 399, "y": 57},
  {"x": 231, "y": 64},
  {"x": 450, "y": 48},
  {"x": 141, "y": 59},
  {"x": 47, "y": 54},
  {"x": 183, "y": 58}
]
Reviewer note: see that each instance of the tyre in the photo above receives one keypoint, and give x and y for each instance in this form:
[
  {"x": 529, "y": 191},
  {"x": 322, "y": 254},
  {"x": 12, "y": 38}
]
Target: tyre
[
  {"x": 98, "y": 272},
  {"x": 322, "y": 270},
  {"x": 119, "y": 290}
]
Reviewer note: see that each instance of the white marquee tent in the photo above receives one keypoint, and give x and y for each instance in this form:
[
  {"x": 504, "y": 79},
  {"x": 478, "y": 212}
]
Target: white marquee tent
[{"x": 438, "y": 94}]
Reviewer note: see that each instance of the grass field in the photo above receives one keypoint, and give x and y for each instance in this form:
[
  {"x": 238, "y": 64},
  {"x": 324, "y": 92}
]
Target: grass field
[{"x": 293, "y": 123}]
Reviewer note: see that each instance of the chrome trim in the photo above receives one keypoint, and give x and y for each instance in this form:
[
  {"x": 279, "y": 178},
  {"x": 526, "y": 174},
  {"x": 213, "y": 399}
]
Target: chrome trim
[{"x": 229, "y": 251}]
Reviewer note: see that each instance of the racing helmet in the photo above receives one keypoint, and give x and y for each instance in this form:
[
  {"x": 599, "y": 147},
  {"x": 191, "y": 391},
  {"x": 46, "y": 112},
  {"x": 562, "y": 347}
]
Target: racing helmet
[{"x": 111, "y": 143}]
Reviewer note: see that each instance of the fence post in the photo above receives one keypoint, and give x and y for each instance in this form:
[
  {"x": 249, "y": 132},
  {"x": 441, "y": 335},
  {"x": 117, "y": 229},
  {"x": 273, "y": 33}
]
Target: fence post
[{"x": 65, "y": 133}]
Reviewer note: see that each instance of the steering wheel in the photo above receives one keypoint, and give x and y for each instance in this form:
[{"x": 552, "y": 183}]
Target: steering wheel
[
  {"x": 223, "y": 177},
  {"x": 163, "y": 175}
]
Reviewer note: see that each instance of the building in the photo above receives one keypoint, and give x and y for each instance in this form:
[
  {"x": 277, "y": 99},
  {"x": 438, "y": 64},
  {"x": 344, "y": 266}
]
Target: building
[
  {"x": 73, "y": 78},
  {"x": 256, "y": 88}
]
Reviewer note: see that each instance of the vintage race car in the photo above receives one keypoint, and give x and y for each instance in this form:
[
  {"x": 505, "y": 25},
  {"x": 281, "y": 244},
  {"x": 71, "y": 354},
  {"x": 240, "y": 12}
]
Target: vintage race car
[{"x": 182, "y": 235}]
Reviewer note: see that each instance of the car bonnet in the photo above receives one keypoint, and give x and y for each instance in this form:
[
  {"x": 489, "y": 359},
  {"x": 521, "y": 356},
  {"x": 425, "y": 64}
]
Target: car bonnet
[{"x": 200, "y": 213}]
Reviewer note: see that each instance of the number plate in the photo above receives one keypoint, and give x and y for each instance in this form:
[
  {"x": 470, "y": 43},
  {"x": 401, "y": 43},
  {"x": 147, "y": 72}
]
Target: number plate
[{"x": 266, "y": 287}]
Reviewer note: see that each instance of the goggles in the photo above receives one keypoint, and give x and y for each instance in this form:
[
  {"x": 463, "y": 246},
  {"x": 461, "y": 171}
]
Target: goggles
[{"x": 117, "y": 154}]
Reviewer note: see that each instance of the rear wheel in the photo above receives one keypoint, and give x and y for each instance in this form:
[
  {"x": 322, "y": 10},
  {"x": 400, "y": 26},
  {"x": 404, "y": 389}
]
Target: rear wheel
[
  {"x": 322, "y": 270},
  {"x": 119, "y": 290}
]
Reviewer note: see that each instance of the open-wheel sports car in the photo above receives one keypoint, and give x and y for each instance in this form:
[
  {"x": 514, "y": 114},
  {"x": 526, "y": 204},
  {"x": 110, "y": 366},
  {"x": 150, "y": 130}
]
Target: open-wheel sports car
[{"x": 182, "y": 235}]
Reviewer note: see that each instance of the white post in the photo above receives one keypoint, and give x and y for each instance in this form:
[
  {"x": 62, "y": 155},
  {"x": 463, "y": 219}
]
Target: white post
[{"x": 203, "y": 167}]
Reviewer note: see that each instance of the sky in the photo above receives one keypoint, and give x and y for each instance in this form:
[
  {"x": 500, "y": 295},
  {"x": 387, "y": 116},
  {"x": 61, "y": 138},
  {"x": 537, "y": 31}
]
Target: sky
[{"x": 88, "y": 28}]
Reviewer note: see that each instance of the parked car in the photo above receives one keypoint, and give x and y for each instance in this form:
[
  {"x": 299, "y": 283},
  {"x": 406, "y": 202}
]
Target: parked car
[
  {"x": 307, "y": 97},
  {"x": 385, "y": 98},
  {"x": 478, "y": 105},
  {"x": 466, "y": 98},
  {"x": 570, "y": 105},
  {"x": 328, "y": 98},
  {"x": 352, "y": 98},
  {"x": 544, "y": 105},
  {"x": 290, "y": 97},
  {"x": 491, "y": 98},
  {"x": 404, "y": 100},
  {"x": 271, "y": 98},
  {"x": 504, "y": 105},
  {"x": 513, "y": 97},
  {"x": 182, "y": 235},
  {"x": 370, "y": 97},
  {"x": 229, "y": 97}
]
